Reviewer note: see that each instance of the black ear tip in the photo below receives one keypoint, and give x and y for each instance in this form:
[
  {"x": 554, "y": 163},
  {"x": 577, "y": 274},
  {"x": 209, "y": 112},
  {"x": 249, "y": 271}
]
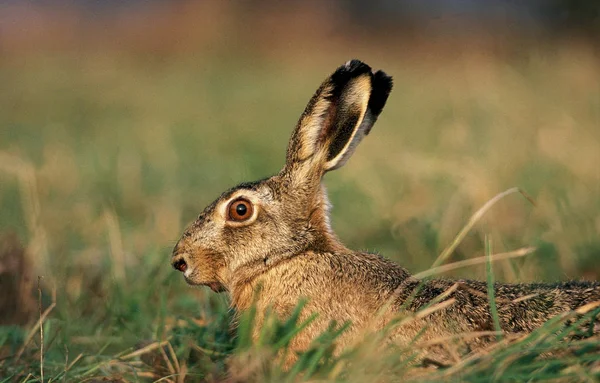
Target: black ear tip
[
  {"x": 356, "y": 67},
  {"x": 381, "y": 82},
  {"x": 349, "y": 70},
  {"x": 382, "y": 86}
]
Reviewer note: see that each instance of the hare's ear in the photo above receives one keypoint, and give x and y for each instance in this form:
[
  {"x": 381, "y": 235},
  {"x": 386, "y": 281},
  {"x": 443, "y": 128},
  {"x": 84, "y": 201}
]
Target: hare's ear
[{"x": 339, "y": 115}]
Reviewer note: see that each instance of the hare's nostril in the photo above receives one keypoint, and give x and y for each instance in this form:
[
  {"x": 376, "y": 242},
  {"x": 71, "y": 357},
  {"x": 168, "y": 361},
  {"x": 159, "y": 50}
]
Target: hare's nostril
[{"x": 180, "y": 265}]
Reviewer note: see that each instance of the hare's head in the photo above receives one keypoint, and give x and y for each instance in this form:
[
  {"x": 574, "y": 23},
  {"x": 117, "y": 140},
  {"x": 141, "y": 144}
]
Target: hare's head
[{"x": 257, "y": 225}]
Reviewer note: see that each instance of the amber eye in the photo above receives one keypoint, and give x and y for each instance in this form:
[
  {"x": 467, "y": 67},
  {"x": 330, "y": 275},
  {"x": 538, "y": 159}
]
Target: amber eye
[{"x": 239, "y": 210}]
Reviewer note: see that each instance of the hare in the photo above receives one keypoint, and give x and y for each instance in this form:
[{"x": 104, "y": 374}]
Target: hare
[{"x": 275, "y": 234}]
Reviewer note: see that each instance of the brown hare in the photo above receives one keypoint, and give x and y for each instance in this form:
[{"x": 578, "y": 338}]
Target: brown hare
[{"x": 275, "y": 234}]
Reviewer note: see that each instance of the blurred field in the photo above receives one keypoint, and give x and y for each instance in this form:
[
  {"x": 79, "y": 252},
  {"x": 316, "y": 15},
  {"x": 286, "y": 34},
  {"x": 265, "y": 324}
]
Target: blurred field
[{"x": 106, "y": 156}]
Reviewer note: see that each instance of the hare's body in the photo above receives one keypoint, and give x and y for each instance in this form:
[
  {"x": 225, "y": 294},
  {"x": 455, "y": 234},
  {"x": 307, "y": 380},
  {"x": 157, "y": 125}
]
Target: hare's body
[
  {"x": 365, "y": 284},
  {"x": 269, "y": 243}
]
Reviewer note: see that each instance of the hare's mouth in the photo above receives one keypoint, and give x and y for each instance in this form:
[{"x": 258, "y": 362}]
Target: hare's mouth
[{"x": 214, "y": 286}]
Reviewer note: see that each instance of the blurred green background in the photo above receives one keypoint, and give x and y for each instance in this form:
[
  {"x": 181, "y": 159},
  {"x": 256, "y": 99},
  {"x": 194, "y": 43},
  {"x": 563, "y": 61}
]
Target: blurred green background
[{"x": 119, "y": 123}]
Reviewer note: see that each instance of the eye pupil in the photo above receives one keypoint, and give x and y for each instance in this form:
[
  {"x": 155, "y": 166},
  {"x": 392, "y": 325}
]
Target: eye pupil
[{"x": 241, "y": 209}]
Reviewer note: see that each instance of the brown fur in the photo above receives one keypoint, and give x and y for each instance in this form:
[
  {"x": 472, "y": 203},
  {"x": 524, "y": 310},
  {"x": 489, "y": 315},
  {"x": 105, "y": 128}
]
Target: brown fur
[{"x": 289, "y": 250}]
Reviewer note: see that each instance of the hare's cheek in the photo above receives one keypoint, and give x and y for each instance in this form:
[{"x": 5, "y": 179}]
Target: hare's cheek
[{"x": 212, "y": 264}]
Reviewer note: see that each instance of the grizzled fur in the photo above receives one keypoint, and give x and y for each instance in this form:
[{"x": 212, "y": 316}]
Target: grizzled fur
[{"x": 287, "y": 246}]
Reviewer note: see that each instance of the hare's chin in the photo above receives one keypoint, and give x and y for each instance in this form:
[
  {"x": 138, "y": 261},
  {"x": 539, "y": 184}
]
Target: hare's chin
[{"x": 214, "y": 286}]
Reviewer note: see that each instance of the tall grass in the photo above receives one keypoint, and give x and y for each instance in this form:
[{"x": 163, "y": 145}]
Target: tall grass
[{"x": 105, "y": 158}]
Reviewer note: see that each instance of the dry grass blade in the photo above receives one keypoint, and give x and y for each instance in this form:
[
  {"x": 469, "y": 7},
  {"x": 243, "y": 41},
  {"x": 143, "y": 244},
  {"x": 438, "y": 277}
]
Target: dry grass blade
[
  {"x": 174, "y": 357},
  {"x": 167, "y": 361},
  {"x": 446, "y": 293},
  {"x": 587, "y": 307},
  {"x": 474, "y": 261},
  {"x": 524, "y": 298},
  {"x": 74, "y": 362},
  {"x": 39, "y": 323},
  {"x": 182, "y": 373},
  {"x": 26, "y": 379},
  {"x": 144, "y": 350},
  {"x": 430, "y": 310},
  {"x": 473, "y": 220}
]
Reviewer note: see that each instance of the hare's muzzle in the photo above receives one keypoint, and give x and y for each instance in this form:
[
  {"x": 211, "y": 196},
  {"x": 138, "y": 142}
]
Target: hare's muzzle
[{"x": 179, "y": 264}]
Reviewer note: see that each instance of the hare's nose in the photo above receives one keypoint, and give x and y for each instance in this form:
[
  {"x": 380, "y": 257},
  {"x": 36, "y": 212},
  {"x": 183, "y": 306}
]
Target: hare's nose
[{"x": 180, "y": 264}]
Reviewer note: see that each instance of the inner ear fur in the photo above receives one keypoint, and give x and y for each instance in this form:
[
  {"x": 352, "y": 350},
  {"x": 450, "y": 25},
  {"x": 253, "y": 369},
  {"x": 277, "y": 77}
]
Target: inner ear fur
[{"x": 341, "y": 112}]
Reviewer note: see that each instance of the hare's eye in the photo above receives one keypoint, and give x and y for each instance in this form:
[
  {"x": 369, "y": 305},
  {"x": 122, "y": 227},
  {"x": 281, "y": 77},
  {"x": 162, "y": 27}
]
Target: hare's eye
[{"x": 239, "y": 210}]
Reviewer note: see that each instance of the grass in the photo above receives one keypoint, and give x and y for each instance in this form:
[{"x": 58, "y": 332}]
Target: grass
[{"x": 105, "y": 158}]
